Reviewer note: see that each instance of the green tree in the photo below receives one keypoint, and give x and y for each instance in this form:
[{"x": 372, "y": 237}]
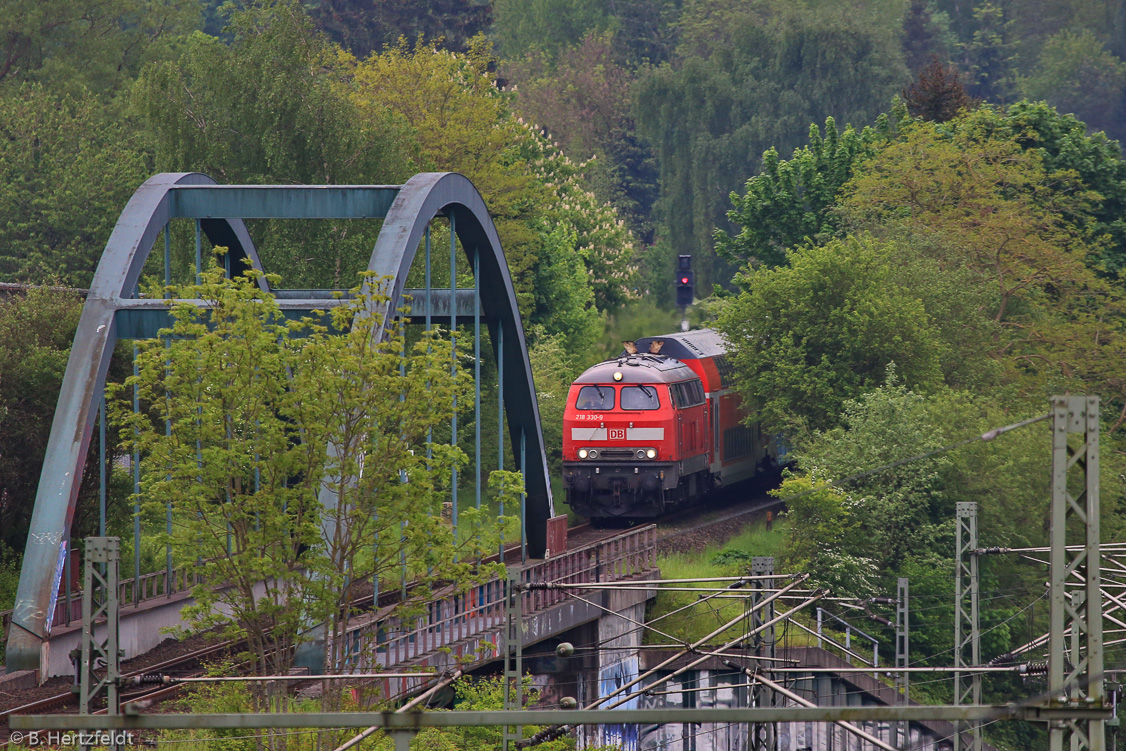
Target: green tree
[
  {"x": 773, "y": 218},
  {"x": 534, "y": 192},
  {"x": 36, "y": 329},
  {"x": 553, "y": 370},
  {"x": 750, "y": 77},
  {"x": 1063, "y": 144},
  {"x": 548, "y": 26},
  {"x": 297, "y": 128},
  {"x": 298, "y": 459},
  {"x": 821, "y": 537},
  {"x": 563, "y": 293},
  {"x": 583, "y": 100},
  {"x": 1078, "y": 75},
  {"x": 971, "y": 197},
  {"x": 921, "y": 37},
  {"x": 810, "y": 335},
  {"x": 902, "y": 519},
  {"x": 789, "y": 202},
  {"x": 989, "y": 54},
  {"x": 990, "y": 201},
  {"x": 66, "y": 171},
  {"x": 462, "y": 124},
  {"x": 366, "y": 27},
  {"x": 88, "y": 44}
]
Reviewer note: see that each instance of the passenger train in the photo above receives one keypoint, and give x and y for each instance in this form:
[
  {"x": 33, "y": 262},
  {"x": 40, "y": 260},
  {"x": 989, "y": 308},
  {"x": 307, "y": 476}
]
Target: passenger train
[{"x": 656, "y": 428}]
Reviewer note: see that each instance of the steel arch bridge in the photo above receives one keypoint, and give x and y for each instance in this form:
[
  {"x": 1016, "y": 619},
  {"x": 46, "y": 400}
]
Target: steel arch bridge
[{"x": 114, "y": 311}]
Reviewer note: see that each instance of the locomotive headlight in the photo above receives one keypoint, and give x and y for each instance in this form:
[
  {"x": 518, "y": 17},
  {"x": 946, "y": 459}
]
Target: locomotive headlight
[
  {"x": 593, "y": 454},
  {"x": 583, "y": 453},
  {"x": 618, "y": 376},
  {"x": 651, "y": 453}
]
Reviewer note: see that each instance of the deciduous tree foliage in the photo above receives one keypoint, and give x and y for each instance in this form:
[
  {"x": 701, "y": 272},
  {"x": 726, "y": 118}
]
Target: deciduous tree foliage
[
  {"x": 752, "y": 77},
  {"x": 548, "y": 26},
  {"x": 72, "y": 45},
  {"x": 823, "y": 529},
  {"x": 1063, "y": 145},
  {"x": 569, "y": 254},
  {"x": 583, "y": 100},
  {"x": 789, "y": 202},
  {"x": 296, "y": 128},
  {"x": 36, "y": 329},
  {"x": 366, "y": 26},
  {"x": 993, "y": 210},
  {"x": 807, "y": 336},
  {"x": 798, "y": 198},
  {"x": 990, "y": 200},
  {"x": 462, "y": 124},
  {"x": 1078, "y": 75},
  {"x": 902, "y": 520},
  {"x": 296, "y": 460},
  {"x": 66, "y": 171}
]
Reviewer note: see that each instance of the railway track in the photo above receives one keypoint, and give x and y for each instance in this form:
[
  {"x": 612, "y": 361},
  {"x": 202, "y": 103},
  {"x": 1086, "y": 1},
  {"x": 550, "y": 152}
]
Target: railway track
[
  {"x": 180, "y": 666},
  {"x": 727, "y": 508}
]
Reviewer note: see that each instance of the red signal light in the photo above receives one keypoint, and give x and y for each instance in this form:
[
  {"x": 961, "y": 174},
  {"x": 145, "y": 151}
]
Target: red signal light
[{"x": 684, "y": 280}]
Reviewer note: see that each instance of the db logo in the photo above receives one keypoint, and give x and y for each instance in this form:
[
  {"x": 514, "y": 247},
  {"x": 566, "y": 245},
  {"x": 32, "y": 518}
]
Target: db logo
[{"x": 617, "y": 434}]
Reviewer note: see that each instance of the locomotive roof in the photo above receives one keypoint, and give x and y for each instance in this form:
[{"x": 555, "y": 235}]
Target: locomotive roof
[
  {"x": 689, "y": 345},
  {"x": 638, "y": 369}
]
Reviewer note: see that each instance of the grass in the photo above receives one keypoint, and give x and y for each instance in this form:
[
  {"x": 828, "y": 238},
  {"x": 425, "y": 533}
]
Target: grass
[{"x": 731, "y": 558}]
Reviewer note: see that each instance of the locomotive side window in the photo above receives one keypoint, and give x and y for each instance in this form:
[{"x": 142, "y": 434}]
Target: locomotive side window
[
  {"x": 687, "y": 394},
  {"x": 595, "y": 397},
  {"x": 640, "y": 397}
]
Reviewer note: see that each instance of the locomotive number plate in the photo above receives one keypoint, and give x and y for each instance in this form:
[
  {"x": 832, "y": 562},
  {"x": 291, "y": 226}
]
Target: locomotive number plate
[{"x": 599, "y": 418}]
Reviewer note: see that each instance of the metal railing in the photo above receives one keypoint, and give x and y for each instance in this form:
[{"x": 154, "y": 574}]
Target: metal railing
[
  {"x": 848, "y": 629},
  {"x": 454, "y": 616},
  {"x": 450, "y": 617},
  {"x": 148, "y": 587}
]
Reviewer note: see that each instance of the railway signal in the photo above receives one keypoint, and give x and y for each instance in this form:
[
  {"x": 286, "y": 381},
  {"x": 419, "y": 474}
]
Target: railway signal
[{"x": 684, "y": 280}]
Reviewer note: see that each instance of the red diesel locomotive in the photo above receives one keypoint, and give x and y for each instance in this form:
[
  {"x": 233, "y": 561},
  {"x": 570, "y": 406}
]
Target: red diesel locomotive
[{"x": 657, "y": 427}]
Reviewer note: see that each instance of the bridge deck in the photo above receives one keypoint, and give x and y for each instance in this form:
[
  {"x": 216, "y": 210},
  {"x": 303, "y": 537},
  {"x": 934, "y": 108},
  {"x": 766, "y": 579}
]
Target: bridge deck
[
  {"x": 459, "y": 628},
  {"x": 456, "y": 620}
]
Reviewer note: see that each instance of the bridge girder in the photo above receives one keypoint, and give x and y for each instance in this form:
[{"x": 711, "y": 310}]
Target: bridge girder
[{"x": 112, "y": 312}]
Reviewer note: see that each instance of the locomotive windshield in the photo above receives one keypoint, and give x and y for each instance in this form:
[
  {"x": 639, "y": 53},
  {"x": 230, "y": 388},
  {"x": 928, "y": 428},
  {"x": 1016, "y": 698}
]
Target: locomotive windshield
[
  {"x": 595, "y": 397},
  {"x": 640, "y": 397}
]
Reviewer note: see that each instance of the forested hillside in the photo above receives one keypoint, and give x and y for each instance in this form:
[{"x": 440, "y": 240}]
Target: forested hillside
[{"x": 911, "y": 211}]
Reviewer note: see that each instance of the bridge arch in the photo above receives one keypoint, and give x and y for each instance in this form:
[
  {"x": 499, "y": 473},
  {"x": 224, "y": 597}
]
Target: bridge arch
[{"x": 113, "y": 311}]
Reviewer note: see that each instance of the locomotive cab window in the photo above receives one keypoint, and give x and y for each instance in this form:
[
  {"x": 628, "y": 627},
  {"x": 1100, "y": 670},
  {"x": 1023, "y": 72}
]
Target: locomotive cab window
[
  {"x": 687, "y": 394},
  {"x": 595, "y": 397},
  {"x": 640, "y": 397}
]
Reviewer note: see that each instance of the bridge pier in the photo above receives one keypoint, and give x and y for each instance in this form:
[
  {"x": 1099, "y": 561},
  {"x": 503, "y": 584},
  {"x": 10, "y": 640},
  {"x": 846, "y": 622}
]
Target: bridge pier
[{"x": 823, "y": 688}]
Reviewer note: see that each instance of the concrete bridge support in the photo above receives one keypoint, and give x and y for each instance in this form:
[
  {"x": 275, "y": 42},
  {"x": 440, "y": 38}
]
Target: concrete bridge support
[{"x": 715, "y": 685}]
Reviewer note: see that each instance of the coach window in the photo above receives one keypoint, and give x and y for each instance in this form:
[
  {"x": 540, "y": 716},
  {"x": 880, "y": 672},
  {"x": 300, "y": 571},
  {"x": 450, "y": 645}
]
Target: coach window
[
  {"x": 595, "y": 397},
  {"x": 640, "y": 397}
]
